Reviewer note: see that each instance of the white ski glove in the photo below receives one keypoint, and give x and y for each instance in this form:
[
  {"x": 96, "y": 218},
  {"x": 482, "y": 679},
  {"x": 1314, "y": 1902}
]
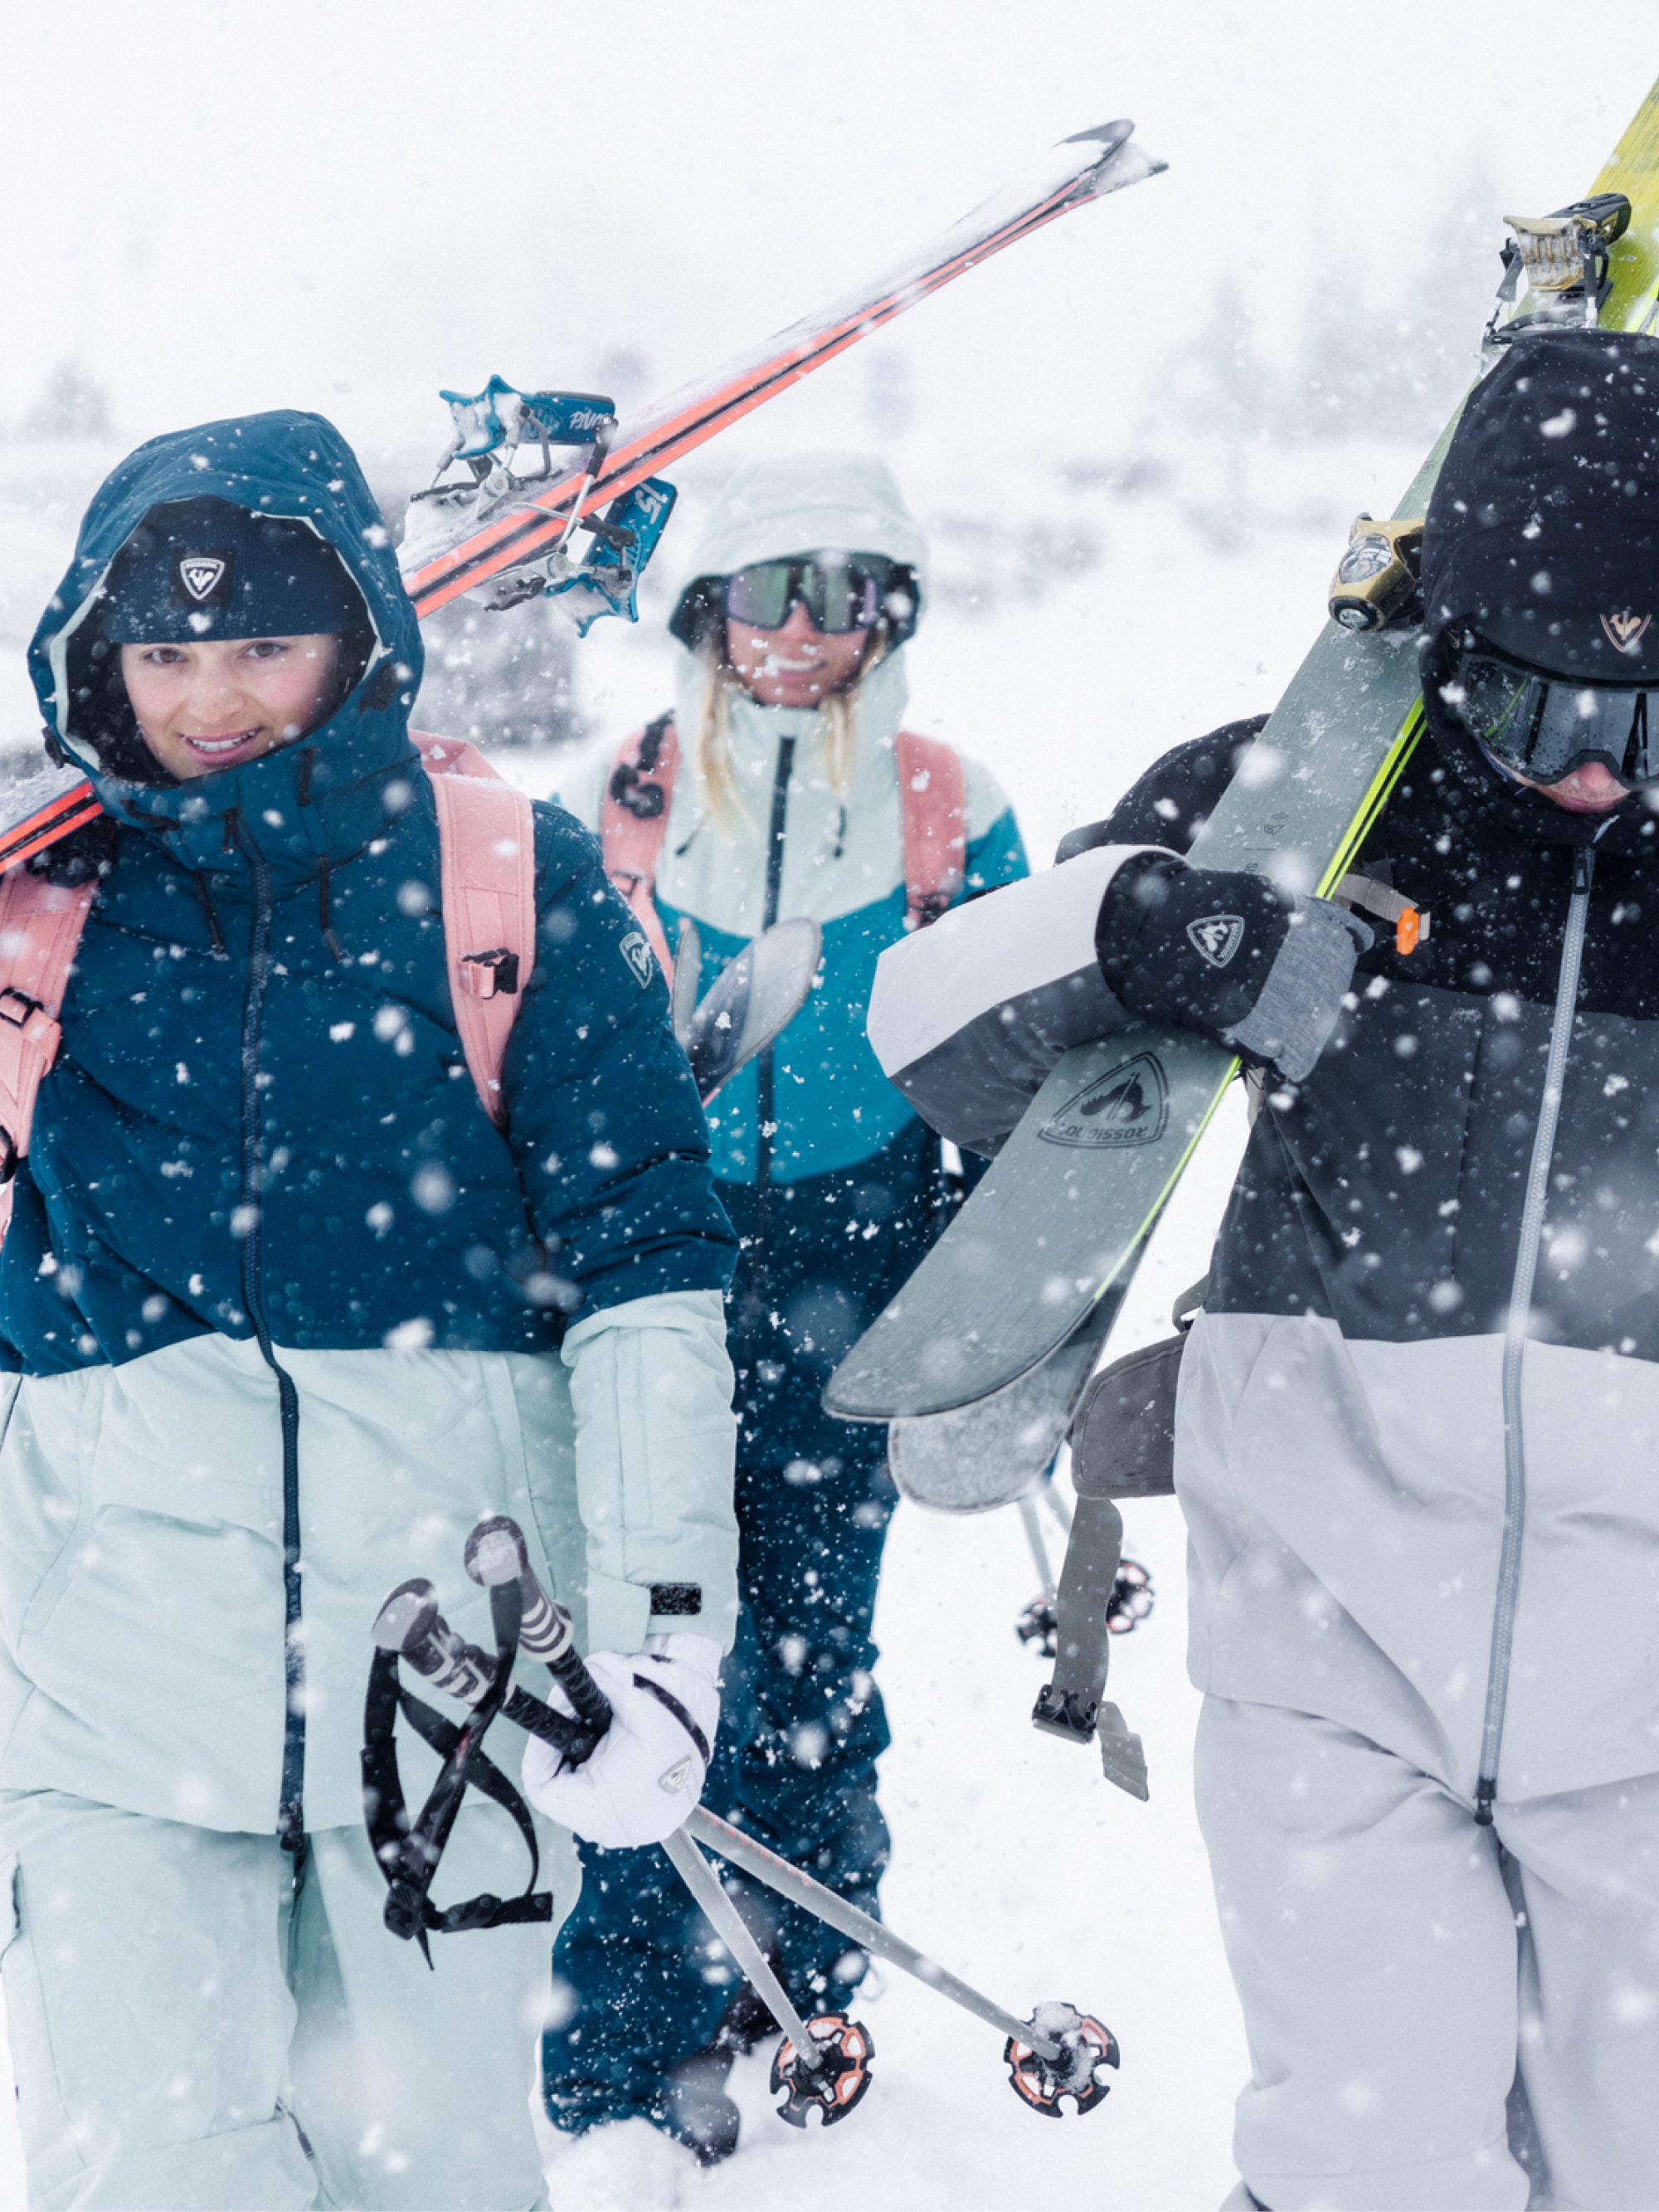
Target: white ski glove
[{"x": 647, "y": 1772}]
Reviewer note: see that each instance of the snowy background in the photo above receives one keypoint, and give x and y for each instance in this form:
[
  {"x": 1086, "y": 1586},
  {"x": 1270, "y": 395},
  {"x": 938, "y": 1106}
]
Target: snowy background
[{"x": 1136, "y": 440}]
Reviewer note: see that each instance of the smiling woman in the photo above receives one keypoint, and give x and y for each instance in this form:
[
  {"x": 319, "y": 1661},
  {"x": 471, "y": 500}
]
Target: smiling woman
[
  {"x": 339, "y": 1297},
  {"x": 213, "y": 705}
]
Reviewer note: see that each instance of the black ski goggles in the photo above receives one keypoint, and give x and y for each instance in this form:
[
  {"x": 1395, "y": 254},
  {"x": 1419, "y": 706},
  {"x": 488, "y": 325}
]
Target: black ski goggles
[
  {"x": 1544, "y": 727},
  {"x": 840, "y": 592}
]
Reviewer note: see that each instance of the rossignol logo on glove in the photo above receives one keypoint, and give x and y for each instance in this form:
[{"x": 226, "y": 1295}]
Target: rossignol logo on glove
[
  {"x": 637, "y": 953},
  {"x": 202, "y": 580},
  {"x": 1127, "y": 1105},
  {"x": 1625, "y": 630},
  {"x": 677, "y": 1776},
  {"x": 1216, "y": 937}
]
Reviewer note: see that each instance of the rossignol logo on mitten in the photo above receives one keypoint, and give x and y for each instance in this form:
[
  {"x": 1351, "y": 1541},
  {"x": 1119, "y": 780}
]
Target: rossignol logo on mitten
[
  {"x": 677, "y": 1776},
  {"x": 1216, "y": 938},
  {"x": 202, "y": 580},
  {"x": 637, "y": 953}
]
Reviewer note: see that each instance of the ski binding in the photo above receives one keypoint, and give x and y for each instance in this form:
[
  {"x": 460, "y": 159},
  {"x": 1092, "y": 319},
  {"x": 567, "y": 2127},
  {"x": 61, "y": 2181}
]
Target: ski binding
[
  {"x": 491, "y": 427},
  {"x": 1376, "y": 581},
  {"x": 1564, "y": 259}
]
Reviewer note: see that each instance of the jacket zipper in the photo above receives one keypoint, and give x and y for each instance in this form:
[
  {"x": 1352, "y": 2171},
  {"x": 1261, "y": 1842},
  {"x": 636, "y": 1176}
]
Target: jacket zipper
[
  {"x": 765, "y": 1090},
  {"x": 1515, "y": 1336},
  {"x": 290, "y": 1807}
]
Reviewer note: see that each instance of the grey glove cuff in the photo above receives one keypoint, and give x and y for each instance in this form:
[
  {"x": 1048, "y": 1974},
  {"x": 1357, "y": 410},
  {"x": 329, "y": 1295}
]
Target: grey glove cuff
[{"x": 1296, "y": 1009}]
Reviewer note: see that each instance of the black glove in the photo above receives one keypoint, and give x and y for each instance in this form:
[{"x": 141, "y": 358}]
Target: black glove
[{"x": 1261, "y": 970}]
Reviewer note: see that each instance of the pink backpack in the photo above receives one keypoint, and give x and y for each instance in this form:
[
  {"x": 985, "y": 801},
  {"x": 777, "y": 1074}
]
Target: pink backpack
[
  {"x": 486, "y": 841},
  {"x": 640, "y": 790}
]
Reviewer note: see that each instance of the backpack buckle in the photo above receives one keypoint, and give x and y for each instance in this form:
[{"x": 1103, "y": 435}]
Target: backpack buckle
[
  {"x": 16, "y": 1006},
  {"x": 488, "y": 975}
]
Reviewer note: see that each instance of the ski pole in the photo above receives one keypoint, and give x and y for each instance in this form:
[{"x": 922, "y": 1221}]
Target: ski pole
[
  {"x": 496, "y": 1552},
  {"x": 729, "y": 1924},
  {"x": 777, "y": 1874},
  {"x": 1060, "y": 2052},
  {"x": 1033, "y": 1528}
]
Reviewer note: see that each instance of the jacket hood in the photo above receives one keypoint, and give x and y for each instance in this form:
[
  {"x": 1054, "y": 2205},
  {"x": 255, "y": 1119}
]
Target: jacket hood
[
  {"x": 322, "y": 797},
  {"x": 803, "y": 503}
]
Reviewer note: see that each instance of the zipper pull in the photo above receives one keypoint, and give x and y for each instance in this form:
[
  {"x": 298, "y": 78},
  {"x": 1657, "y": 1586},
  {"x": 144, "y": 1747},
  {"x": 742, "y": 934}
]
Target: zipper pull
[{"x": 1583, "y": 868}]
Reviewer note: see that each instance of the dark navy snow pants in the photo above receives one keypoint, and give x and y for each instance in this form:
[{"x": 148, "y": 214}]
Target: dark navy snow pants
[
  {"x": 801, "y": 1729},
  {"x": 802, "y": 1724}
]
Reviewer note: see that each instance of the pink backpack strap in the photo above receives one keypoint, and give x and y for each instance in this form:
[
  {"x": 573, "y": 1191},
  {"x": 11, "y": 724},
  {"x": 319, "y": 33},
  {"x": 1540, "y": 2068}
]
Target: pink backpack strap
[
  {"x": 487, "y": 847},
  {"x": 634, "y": 821},
  {"x": 40, "y": 927},
  {"x": 933, "y": 815}
]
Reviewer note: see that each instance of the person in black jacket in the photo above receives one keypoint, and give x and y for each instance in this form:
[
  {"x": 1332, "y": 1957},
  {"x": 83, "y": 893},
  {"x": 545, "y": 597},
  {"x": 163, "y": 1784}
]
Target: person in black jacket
[{"x": 1418, "y": 1437}]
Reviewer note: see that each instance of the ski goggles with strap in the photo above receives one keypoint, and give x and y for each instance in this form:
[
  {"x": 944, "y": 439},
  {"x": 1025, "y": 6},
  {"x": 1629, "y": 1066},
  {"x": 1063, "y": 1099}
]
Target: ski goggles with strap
[
  {"x": 1544, "y": 727},
  {"x": 840, "y": 592}
]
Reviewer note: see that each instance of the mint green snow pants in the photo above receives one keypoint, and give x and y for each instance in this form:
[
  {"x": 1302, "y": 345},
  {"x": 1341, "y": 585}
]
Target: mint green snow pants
[{"x": 189, "y": 2030}]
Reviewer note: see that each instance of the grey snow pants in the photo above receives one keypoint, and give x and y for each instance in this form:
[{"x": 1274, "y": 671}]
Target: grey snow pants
[
  {"x": 184, "y": 2027},
  {"x": 1440, "y": 2015}
]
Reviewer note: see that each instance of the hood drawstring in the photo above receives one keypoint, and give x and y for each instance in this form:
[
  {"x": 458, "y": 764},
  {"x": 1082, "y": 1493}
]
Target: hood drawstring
[
  {"x": 214, "y": 930},
  {"x": 329, "y": 938}
]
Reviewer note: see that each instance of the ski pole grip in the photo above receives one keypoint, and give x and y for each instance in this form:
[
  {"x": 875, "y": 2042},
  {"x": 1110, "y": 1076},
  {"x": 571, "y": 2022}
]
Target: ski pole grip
[
  {"x": 496, "y": 1552},
  {"x": 410, "y": 1623}
]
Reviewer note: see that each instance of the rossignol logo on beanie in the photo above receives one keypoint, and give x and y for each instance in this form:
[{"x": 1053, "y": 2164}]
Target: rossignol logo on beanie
[
  {"x": 204, "y": 580},
  {"x": 1625, "y": 630},
  {"x": 1216, "y": 937}
]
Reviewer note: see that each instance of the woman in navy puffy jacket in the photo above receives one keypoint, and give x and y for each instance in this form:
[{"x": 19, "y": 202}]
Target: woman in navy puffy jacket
[{"x": 283, "y": 1310}]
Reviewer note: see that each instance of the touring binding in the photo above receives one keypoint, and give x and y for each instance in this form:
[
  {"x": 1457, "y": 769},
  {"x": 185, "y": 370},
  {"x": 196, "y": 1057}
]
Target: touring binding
[
  {"x": 1376, "y": 581},
  {"x": 490, "y": 429},
  {"x": 1564, "y": 257}
]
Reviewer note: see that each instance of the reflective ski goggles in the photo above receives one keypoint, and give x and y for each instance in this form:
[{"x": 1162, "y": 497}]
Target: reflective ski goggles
[
  {"x": 841, "y": 592},
  {"x": 1542, "y": 726}
]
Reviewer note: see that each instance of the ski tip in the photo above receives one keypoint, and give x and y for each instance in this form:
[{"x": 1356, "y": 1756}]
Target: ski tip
[
  {"x": 1109, "y": 135},
  {"x": 1118, "y": 162}
]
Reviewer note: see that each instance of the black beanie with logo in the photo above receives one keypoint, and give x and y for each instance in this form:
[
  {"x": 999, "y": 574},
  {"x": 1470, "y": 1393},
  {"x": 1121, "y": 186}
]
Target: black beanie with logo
[
  {"x": 202, "y": 568},
  {"x": 1542, "y": 536}
]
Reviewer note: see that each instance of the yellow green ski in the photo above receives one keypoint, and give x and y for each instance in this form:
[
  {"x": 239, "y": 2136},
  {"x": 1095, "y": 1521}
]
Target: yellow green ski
[{"x": 964, "y": 1359}]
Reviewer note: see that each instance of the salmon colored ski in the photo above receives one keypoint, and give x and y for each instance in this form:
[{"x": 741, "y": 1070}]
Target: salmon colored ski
[{"x": 1086, "y": 167}]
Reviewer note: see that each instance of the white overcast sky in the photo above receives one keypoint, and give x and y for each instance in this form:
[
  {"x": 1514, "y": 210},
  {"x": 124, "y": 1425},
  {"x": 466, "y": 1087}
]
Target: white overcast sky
[{"x": 218, "y": 205}]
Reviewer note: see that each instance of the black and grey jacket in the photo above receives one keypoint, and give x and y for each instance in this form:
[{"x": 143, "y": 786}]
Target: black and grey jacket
[{"x": 1391, "y": 1522}]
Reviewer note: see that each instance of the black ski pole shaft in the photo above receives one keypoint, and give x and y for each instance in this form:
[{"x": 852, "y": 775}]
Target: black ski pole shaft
[
  {"x": 729, "y": 1924},
  {"x": 753, "y": 1859},
  {"x": 496, "y": 1552}
]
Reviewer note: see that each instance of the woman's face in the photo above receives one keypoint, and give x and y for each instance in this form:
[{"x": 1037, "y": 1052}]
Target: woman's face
[
  {"x": 796, "y": 665},
  {"x": 226, "y": 701}
]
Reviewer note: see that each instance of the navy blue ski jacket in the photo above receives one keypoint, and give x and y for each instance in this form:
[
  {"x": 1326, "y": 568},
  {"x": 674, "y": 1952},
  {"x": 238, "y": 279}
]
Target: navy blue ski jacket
[{"x": 248, "y": 1132}]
